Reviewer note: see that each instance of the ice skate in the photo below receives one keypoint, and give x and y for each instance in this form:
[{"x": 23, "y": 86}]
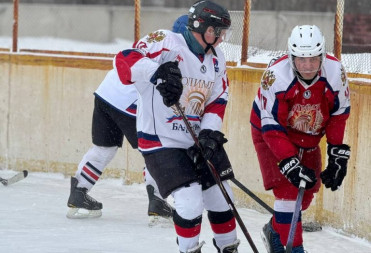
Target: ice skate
[
  {"x": 196, "y": 249},
  {"x": 229, "y": 248},
  {"x": 159, "y": 211},
  {"x": 271, "y": 239},
  {"x": 299, "y": 249},
  {"x": 80, "y": 204}
]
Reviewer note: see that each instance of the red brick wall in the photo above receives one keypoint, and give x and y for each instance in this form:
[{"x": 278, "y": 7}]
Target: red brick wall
[{"x": 357, "y": 33}]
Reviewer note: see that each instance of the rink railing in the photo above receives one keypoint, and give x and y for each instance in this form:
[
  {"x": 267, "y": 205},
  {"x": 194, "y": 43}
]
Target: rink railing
[{"x": 47, "y": 102}]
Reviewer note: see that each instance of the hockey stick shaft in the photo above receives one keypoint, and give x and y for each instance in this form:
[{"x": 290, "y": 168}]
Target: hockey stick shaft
[
  {"x": 295, "y": 217},
  {"x": 217, "y": 180},
  {"x": 308, "y": 227},
  {"x": 252, "y": 195}
]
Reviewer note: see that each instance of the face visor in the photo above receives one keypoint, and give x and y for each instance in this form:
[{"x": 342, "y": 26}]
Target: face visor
[
  {"x": 223, "y": 33},
  {"x": 307, "y": 65}
]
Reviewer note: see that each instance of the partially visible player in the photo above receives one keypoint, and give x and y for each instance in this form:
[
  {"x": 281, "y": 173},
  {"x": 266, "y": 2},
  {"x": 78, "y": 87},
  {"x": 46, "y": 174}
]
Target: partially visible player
[
  {"x": 180, "y": 24},
  {"x": 114, "y": 117},
  {"x": 303, "y": 96}
]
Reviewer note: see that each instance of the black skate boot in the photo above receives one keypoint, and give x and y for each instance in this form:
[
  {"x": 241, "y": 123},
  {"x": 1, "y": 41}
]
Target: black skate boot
[
  {"x": 271, "y": 239},
  {"x": 157, "y": 208},
  {"x": 298, "y": 249},
  {"x": 80, "y": 204},
  {"x": 229, "y": 248}
]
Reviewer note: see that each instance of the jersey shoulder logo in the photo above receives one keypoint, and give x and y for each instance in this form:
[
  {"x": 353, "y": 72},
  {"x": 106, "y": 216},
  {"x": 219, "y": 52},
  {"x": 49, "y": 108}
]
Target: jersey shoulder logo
[
  {"x": 155, "y": 36},
  {"x": 268, "y": 79}
]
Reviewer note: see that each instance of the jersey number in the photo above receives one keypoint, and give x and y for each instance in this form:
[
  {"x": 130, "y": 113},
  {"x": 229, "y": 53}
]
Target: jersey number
[{"x": 263, "y": 102}]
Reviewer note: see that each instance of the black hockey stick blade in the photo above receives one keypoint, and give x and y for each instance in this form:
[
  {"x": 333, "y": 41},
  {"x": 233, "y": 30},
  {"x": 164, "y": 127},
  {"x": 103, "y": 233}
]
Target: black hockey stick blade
[
  {"x": 4, "y": 181},
  {"x": 17, "y": 177}
]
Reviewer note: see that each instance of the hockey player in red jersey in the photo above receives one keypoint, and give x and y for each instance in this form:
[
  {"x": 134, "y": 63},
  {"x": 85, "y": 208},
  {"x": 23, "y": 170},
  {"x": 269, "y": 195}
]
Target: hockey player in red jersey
[
  {"x": 188, "y": 68},
  {"x": 303, "y": 96}
]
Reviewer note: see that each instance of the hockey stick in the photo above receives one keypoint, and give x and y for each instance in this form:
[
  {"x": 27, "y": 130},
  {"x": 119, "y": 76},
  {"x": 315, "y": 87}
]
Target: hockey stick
[
  {"x": 17, "y": 177},
  {"x": 217, "y": 180},
  {"x": 252, "y": 195},
  {"x": 295, "y": 217},
  {"x": 307, "y": 227}
]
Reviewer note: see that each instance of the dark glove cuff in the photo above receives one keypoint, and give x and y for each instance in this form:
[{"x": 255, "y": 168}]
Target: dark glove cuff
[
  {"x": 342, "y": 150},
  {"x": 214, "y": 135},
  {"x": 287, "y": 164},
  {"x": 286, "y": 160},
  {"x": 204, "y": 133}
]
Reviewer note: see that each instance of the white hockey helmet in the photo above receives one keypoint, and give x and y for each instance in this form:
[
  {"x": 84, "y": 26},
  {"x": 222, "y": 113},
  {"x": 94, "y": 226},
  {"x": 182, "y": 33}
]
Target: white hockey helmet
[{"x": 306, "y": 41}]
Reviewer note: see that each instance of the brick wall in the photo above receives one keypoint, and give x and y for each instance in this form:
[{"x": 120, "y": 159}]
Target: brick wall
[{"x": 357, "y": 33}]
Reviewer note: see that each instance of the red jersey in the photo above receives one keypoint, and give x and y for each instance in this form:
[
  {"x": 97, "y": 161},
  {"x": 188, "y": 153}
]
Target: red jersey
[{"x": 292, "y": 114}]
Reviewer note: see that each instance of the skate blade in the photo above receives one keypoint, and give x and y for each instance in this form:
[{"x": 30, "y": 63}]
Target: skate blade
[
  {"x": 80, "y": 213},
  {"x": 163, "y": 222}
]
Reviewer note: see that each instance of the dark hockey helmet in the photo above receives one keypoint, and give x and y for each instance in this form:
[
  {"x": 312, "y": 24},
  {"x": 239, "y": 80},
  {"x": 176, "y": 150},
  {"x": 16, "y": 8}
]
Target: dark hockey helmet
[{"x": 203, "y": 14}]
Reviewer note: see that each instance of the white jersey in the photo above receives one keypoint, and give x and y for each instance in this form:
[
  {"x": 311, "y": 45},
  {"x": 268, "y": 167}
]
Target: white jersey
[
  {"x": 204, "y": 97},
  {"x": 122, "y": 97}
]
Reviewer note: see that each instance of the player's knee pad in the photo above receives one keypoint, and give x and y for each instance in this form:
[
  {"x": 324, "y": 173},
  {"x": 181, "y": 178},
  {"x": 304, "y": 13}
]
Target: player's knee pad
[
  {"x": 188, "y": 201},
  {"x": 214, "y": 200}
]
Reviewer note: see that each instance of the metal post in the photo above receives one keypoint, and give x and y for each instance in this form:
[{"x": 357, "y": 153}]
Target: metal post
[
  {"x": 137, "y": 21},
  {"x": 245, "y": 32},
  {"x": 338, "y": 28},
  {"x": 15, "y": 26}
]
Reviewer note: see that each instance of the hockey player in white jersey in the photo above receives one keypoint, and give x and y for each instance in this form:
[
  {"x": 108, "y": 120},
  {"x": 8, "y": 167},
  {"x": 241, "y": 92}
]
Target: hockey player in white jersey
[
  {"x": 114, "y": 117},
  {"x": 111, "y": 95},
  {"x": 188, "y": 68},
  {"x": 121, "y": 99}
]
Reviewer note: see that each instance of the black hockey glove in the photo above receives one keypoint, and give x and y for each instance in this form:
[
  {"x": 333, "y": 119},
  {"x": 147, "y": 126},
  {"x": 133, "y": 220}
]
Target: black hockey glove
[
  {"x": 171, "y": 86},
  {"x": 333, "y": 175},
  {"x": 294, "y": 171},
  {"x": 210, "y": 141},
  {"x": 195, "y": 154}
]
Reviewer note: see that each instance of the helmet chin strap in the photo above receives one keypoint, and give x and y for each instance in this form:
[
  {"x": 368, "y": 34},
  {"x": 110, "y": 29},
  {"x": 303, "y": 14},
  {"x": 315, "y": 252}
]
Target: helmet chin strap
[
  {"x": 307, "y": 81},
  {"x": 210, "y": 46}
]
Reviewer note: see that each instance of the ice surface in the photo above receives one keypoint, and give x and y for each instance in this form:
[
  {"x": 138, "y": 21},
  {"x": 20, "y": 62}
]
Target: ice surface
[{"x": 33, "y": 219}]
